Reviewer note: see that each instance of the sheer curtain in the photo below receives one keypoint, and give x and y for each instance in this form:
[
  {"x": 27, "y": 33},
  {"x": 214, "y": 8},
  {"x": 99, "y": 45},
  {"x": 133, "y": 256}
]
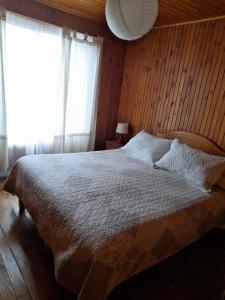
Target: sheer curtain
[
  {"x": 3, "y": 137},
  {"x": 84, "y": 56},
  {"x": 51, "y": 88}
]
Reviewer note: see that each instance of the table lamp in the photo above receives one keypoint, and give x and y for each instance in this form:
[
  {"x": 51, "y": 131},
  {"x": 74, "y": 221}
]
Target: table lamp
[{"x": 122, "y": 130}]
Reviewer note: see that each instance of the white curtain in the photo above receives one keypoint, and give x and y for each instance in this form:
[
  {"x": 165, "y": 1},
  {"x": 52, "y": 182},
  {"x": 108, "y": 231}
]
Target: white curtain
[
  {"x": 3, "y": 137},
  {"x": 51, "y": 88}
]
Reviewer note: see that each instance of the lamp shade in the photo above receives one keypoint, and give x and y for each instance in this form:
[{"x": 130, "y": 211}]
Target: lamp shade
[
  {"x": 122, "y": 128},
  {"x": 131, "y": 19}
]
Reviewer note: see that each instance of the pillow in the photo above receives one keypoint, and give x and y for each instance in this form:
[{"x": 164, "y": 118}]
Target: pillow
[
  {"x": 148, "y": 148},
  {"x": 202, "y": 169}
]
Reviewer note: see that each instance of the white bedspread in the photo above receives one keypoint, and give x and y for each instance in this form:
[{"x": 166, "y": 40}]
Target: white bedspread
[{"x": 95, "y": 211}]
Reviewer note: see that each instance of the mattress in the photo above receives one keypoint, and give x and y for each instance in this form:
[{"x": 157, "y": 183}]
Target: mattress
[{"x": 107, "y": 215}]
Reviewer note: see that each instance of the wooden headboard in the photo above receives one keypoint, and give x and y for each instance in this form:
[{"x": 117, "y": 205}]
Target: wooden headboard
[
  {"x": 198, "y": 142},
  {"x": 195, "y": 141}
]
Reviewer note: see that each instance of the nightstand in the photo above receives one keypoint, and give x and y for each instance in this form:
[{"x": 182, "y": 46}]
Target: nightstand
[{"x": 112, "y": 145}]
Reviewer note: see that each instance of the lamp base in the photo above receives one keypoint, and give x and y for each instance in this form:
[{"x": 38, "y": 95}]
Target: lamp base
[{"x": 121, "y": 139}]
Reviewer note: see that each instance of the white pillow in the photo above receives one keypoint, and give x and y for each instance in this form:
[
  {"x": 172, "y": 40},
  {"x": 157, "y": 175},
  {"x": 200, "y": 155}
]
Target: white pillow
[
  {"x": 148, "y": 148},
  {"x": 202, "y": 169}
]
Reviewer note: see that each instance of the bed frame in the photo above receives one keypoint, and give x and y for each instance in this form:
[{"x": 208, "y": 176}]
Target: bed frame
[
  {"x": 195, "y": 141},
  {"x": 21, "y": 207}
]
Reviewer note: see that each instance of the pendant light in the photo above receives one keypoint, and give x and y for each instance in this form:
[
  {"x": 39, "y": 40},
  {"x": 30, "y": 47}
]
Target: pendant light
[{"x": 131, "y": 19}]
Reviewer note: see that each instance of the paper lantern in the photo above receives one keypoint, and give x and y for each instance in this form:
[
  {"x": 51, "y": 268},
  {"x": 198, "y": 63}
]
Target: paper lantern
[{"x": 131, "y": 19}]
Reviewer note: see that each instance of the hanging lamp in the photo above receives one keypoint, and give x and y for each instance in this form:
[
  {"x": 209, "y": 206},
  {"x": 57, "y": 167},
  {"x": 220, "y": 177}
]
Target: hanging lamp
[{"x": 131, "y": 19}]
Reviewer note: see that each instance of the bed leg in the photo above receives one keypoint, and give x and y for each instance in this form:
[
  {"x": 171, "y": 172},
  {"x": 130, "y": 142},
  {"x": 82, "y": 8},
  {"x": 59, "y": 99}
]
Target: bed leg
[{"x": 21, "y": 207}]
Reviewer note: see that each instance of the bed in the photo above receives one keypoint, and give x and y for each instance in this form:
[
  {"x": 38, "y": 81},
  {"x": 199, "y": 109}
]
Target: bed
[{"x": 107, "y": 216}]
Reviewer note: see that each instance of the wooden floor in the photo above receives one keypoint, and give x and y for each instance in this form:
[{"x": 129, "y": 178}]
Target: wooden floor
[{"x": 26, "y": 271}]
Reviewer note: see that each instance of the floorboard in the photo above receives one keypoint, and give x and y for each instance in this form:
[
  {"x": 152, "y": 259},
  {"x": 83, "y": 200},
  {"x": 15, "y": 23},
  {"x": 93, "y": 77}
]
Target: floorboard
[
  {"x": 31, "y": 269},
  {"x": 6, "y": 289},
  {"x": 27, "y": 272},
  {"x": 15, "y": 275}
]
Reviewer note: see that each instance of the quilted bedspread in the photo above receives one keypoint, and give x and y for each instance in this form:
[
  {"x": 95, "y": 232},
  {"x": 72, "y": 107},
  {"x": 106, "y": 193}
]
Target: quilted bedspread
[{"x": 107, "y": 215}]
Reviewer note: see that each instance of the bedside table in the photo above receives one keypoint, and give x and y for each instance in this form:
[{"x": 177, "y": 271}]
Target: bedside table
[{"x": 112, "y": 145}]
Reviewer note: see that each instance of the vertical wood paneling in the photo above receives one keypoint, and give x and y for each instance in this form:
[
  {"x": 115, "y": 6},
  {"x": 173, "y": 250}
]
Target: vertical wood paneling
[
  {"x": 111, "y": 78},
  {"x": 174, "y": 79}
]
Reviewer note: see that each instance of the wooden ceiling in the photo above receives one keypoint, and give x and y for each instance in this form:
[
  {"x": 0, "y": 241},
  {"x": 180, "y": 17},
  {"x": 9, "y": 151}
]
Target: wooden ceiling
[
  {"x": 91, "y": 9},
  {"x": 170, "y": 11}
]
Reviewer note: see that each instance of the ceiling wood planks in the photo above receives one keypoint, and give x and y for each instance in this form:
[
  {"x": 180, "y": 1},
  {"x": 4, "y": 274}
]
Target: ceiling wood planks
[
  {"x": 170, "y": 11},
  {"x": 94, "y": 9}
]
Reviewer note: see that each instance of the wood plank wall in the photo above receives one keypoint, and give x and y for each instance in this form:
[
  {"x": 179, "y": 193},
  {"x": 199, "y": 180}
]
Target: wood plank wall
[
  {"x": 112, "y": 66},
  {"x": 174, "y": 79}
]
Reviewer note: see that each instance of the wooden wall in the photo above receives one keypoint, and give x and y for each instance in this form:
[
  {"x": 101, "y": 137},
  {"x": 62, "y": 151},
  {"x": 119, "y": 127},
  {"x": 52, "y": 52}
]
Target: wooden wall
[
  {"x": 174, "y": 79},
  {"x": 112, "y": 68},
  {"x": 113, "y": 59}
]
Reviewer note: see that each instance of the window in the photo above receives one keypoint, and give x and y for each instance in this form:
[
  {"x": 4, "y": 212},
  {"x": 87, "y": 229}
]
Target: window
[{"x": 50, "y": 79}]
